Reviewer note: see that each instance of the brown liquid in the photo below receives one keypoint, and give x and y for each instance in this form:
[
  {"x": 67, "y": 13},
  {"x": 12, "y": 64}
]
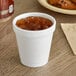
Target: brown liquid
[{"x": 34, "y": 23}]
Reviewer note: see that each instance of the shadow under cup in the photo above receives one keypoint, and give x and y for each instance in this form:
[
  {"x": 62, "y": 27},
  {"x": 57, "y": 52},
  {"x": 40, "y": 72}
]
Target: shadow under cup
[{"x": 34, "y": 46}]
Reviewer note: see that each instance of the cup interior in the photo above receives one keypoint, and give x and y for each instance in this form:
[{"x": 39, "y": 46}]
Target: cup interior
[
  {"x": 34, "y": 14},
  {"x": 38, "y": 32}
]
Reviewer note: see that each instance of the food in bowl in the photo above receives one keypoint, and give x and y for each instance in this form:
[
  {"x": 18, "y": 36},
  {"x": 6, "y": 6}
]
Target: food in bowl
[
  {"x": 34, "y": 23},
  {"x": 64, "y": 4}
]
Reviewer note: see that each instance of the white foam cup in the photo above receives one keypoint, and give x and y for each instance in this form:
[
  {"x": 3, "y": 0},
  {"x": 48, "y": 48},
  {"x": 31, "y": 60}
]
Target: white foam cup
[{"x": 34, "y": 46}]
